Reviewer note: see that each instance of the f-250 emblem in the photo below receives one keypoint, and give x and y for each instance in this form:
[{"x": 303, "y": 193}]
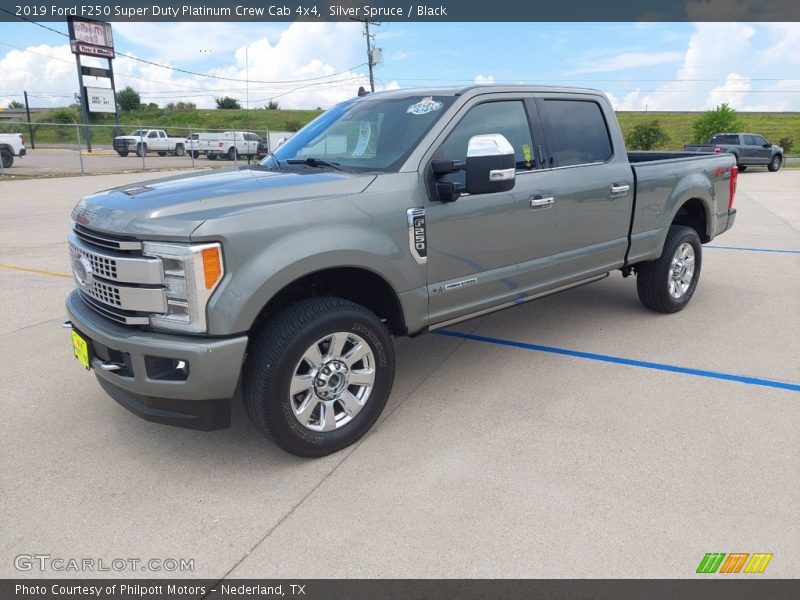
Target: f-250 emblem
[{"x": 417, "y": 237}]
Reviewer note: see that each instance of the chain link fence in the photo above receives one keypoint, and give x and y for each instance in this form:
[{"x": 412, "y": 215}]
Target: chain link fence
[{"x": 75, "y": 149}]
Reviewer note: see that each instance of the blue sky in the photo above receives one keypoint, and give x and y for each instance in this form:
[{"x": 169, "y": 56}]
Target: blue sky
[{"x": 654, "y": 66}]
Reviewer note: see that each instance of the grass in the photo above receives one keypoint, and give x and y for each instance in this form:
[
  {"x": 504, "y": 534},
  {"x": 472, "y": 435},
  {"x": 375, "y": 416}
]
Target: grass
[{"x": 678, "y": 126}]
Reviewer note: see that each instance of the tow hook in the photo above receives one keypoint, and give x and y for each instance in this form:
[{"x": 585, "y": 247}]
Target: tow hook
[{"x": 67, "y": 325}]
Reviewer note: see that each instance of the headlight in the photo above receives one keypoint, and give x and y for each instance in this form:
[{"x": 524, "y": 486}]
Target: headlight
[{"x": 191, "y": 274}]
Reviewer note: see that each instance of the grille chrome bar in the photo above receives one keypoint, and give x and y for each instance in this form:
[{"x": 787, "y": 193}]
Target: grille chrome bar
[
  {"x": 105, "y": 240},
  {"x": 120, "y": 316},
  {"x": 119, "y": 267},
  {"x": 139, "y": 299}
]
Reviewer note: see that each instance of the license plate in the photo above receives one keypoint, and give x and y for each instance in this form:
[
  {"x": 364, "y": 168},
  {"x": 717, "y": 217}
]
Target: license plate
[{"x": 80, "y": 348}]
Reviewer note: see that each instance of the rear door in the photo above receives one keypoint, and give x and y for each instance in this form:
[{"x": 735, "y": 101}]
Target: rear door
[
  {"x": 594, "y": 182},
  {"x": 488, "y": 249}
]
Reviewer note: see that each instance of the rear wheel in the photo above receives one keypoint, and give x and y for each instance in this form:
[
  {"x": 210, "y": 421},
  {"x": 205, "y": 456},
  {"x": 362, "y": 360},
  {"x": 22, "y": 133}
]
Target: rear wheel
[
  {"x": 141, "y": 150},
  {"x": 232, "y": 154},
  {"x": 668, "y": 283},
  {"x": 318, "y": 375},
  {"x": 179, "y": 150},
  {"x": 775, "y": 163},
  {"x": 6, "y": 157}
]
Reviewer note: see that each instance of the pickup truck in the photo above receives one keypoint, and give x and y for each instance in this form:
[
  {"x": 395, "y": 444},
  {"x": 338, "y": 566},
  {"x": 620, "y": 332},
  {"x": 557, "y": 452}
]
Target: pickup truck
[
  {"x": 226, "y": 144},
  {"x": 391, "y": 214},
  {"x": 11, "y": 145},
  {"x": 143, "y": 141},
  {"x": 749, "y": 149}
]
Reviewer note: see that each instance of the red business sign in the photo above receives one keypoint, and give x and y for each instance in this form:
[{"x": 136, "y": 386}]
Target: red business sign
[{"x": 91, "y": 38}]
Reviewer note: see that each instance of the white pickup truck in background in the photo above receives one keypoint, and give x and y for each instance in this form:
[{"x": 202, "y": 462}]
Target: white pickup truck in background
[
  {"x": 225, "y": 144},
  {"x": 143, "y": 141},
  {"x": 11, "y": 145}
]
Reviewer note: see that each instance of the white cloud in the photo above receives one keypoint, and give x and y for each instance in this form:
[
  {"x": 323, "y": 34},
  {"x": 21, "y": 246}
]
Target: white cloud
[
  {"x": 626, "y": 60},
  {"x": 322, "y": 54},
  {"x": 733, "y": 91},
  {"x": 484, "y": 78}
]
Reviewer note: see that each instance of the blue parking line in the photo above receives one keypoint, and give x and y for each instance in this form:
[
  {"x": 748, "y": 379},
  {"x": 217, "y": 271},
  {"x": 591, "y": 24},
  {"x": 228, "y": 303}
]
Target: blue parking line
[
  {"x": 753, "y": 249},
  {"x": 794, "y": 387}
]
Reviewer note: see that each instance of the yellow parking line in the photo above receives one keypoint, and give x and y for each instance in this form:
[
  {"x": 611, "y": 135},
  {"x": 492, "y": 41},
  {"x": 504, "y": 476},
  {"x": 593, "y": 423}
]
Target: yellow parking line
[{"x": 37, "y": 271}]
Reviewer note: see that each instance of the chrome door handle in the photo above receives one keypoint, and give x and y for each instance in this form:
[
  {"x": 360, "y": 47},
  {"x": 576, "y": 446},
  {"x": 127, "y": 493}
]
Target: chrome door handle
[
  {"x": 620, "y": 190},
  {"x": 542, "y": 202}
]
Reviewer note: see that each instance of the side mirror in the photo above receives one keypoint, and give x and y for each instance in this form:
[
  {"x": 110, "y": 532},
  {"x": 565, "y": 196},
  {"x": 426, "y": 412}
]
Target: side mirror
[
  {"x": 491, "y": 166},
  {"x": 767, "y": 145}
]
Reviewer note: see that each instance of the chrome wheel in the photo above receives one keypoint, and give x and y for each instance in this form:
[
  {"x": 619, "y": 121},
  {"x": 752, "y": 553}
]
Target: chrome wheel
[
  {"x": 332, "y": 382},
  {"x": 681, "y": 270}
]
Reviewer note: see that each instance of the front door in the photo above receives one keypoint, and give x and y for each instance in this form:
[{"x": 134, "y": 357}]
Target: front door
[{"x": 485, "y": 250}]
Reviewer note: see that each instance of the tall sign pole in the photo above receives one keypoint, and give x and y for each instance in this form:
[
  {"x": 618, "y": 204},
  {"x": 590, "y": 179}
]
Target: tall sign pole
[{"x": 88, "y": 37}]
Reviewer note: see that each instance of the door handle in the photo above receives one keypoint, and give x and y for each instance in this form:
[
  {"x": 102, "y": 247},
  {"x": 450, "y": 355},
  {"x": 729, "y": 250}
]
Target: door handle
[
  {"x": 540, "y": 202},
  {"x": 620, "y": 190}
]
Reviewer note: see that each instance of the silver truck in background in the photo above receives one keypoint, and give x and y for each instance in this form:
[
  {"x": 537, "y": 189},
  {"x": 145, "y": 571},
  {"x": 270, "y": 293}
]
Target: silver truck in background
[
  {"x": 749, "y": 150},
  {"x": 391, "y": 214},
  {"x": 143, "y": 141},
  {"x": 11, "y": 145}
]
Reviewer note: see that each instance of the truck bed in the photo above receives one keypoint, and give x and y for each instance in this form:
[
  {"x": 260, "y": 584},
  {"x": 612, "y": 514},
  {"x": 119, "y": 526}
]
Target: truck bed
[{"x": 642, "y": 156}]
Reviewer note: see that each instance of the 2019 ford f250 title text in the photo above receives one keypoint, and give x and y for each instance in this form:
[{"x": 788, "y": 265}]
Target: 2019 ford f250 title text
[{"x": 390, "y": 214}]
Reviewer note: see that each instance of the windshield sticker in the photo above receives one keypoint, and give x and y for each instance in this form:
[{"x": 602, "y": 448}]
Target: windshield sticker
[
  {"x": 424, "y": 106},
  {"x": 364, "y": 133}
]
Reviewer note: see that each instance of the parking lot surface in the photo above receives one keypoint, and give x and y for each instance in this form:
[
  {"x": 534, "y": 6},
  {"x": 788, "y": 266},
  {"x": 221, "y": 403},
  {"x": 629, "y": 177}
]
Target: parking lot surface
[{"x": 576, "y": 436}]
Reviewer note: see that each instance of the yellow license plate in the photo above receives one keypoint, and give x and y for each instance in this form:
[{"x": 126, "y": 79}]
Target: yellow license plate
[{"x": 81, "y": 350}]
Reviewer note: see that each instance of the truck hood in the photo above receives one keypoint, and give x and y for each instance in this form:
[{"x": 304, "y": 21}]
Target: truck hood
[{"x": 172, "y": 208}]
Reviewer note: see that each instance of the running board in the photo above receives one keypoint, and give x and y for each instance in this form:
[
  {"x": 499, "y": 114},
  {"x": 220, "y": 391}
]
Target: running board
[{"x": 492, "y": 309}]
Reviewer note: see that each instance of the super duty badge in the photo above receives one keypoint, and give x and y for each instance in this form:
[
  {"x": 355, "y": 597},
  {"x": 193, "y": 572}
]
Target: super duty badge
[{"x": 417, "y": 239}]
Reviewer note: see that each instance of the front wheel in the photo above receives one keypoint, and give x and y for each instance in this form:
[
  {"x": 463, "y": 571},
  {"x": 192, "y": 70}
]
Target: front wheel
[
  {"x": 179, "y": 150},
  {"x": 318, "y": 375},
  {"x": 122, "y": 153},
  {"x": 775, "y": 163},
  {"x": 668, "y": 283}
]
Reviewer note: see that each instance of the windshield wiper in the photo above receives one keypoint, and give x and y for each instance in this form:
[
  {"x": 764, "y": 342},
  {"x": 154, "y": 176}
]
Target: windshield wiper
[{"x": 314, "y": 162}]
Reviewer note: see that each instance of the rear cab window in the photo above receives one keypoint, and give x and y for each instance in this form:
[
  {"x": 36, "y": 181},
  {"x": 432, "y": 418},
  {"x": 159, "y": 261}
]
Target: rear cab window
[
  {"x": 577, "y": 132},
  {"x": 727, "y": 139}
]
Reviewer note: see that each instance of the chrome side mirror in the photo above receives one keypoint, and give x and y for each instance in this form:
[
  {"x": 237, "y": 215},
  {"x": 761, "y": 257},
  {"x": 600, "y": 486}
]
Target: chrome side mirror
[{"x": 491, "y": 166}]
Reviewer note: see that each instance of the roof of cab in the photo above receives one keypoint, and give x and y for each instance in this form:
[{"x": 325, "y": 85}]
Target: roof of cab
[{"x": 476, "y": 88}]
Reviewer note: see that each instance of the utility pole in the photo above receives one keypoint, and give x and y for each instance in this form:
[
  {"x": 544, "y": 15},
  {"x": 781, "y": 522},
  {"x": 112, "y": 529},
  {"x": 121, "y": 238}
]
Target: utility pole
[
  {"x": 30, "y": 127},
  {"x": 370, "y": 50}
]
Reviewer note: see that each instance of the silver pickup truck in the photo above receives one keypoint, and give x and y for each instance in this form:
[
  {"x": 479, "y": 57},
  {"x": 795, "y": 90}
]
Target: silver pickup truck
[{"x": 391, "y": 214}]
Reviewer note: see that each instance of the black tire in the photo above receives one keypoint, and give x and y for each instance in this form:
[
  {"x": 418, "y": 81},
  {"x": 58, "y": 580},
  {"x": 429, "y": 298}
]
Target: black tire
[
  {"x": 742, "y": 168},
  {"x": 123, "y": 153},
  {"x": 277, "y": 350},
  {"x": 141, "y": 150},
  {"x": 194, "y": 154},
  {"x": 232, "y": 154},
  {"x": 211, "y": 156},
  {"x": 162, "y": 153},
  {"x": 775, "y": 163},
  {"x": 653, "y": 277},
  {"x": 179, "y": 150},
  {"x": 6, "y": 157}
]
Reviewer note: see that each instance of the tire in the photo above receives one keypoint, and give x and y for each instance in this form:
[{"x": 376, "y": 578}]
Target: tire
[
  {"x": 179, "y": 150},
  {"x": 775, "y": 163},
  {"x": 276, "y": 358},
  {"x": 211, "y": 156},
  {"x": 194, "y": 154},
  {"x": 742, "y": 168},
  {"x": 7, "y": 158},
  {"x": 123, "y": 153},
  {"x": 232, "y": 154},
  {"x": 162, "y": 153},
  {"x": 659, "y": 284},
  {"x": 141, "y": 150}
]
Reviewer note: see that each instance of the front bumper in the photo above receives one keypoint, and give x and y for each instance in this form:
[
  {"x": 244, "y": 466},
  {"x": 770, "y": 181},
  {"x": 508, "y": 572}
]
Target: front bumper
[
  {"x": 22, "y": 152},
  {"x": 200, "y": 401}
]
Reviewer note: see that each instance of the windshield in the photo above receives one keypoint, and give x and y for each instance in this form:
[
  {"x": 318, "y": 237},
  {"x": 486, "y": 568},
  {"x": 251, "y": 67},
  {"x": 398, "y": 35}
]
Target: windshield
[
  {"x": 139, "y": 132},
  {"x": 366, "y": 134}
]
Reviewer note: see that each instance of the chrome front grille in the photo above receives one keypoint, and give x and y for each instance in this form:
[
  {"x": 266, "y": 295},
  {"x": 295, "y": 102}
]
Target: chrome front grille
[{"x": 116, "y": 281}]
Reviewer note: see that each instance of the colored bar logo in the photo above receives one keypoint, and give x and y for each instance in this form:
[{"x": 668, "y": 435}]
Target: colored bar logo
[{"x": 716, "y": 561}]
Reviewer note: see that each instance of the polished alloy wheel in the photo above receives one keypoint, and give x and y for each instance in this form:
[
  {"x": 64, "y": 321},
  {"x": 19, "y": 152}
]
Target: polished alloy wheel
[
  {"x": 681, "y": 270},
  {"x": 332, "y": 382}
]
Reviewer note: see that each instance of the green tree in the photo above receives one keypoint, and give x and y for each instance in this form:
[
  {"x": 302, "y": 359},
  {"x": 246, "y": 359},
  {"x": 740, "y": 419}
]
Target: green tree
[
  {"x": 227, "y": 102},
  {"x": 272, "y": 105},
  {"x": 647, "y": 136},
  {"x": 786, "y": 143},
  {"x": 719, "y": 120},
  {"x": 128, "y": 99},
  {"x": 15, "y": 105}
]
